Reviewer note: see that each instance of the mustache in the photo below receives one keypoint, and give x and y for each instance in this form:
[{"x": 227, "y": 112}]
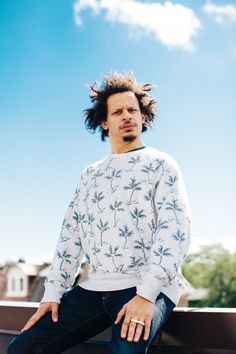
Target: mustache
[{"x": 127, "y": 123}]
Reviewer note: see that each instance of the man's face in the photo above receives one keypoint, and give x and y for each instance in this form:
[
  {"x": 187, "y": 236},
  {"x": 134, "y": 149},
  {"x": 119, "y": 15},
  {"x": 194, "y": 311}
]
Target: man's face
[{"x": 124, "y": 118}]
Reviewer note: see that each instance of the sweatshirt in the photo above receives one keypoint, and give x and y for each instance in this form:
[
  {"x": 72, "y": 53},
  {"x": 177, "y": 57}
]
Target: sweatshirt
[{"x": 129, "y": 220}]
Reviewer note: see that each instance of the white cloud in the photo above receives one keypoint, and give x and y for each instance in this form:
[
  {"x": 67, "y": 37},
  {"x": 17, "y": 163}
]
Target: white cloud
[
  {"x": 221, "y": 13},
  {"x": 82, "y": 5},
  {"x": 174, "y": 25}
]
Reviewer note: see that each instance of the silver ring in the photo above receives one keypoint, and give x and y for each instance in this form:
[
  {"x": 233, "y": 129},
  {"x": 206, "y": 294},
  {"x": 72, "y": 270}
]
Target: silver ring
[{"x": 137, "y": 321}]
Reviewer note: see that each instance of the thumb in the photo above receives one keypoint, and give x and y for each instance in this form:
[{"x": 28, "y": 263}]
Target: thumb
[{"x": 55, "y": 312}]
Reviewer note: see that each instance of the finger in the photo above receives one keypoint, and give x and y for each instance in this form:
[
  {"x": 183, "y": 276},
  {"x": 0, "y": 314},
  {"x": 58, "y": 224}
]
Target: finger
[
  {"x": 31, "y": 322},
  {"x": 147, "y": 330},
  {"x": 131, "y": 331},
  {"x": 120, "y": 315},
  {"x": 38, "y": 314},
  {"x": 125, "y": 327},
  {"x": 55, "y": 312},
  {"x": 138, "y": 332}
]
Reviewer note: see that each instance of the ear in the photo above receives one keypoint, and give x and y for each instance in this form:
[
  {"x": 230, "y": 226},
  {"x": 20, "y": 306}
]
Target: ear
[
  {"x": 104, "y": 125},
  {"x": 143, "y": 117}
]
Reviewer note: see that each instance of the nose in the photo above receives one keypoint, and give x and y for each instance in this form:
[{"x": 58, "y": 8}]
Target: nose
[{"x": 126, "y": 115}]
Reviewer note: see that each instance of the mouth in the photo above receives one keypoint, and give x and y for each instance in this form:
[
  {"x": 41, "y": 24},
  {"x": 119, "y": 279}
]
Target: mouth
[{"x": 127, "y": 126}]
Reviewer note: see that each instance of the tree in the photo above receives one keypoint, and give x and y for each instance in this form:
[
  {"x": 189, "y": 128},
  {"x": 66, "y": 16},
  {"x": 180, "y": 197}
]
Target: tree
[{"x": 214, "y": 268}]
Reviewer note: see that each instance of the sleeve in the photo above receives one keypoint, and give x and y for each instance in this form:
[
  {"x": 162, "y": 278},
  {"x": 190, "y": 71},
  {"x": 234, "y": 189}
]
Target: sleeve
[
  {"x": 172, "y": 233},
  {"x": 68, "y": 254}
]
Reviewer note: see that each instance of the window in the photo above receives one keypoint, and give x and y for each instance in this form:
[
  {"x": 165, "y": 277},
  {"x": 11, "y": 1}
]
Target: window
[
  {"x": 13, "y": 284},
  {"x": 21, "y": 284},
  {"x": 17, "y": 284}
]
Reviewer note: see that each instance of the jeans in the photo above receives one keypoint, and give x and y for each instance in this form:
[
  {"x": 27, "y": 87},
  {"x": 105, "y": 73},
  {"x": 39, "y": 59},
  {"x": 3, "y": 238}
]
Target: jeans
[{"x": 83, "y": 314}]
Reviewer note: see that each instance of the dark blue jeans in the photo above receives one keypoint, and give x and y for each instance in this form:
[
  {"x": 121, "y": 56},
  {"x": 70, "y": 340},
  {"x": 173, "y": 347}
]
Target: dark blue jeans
[{"x": 83, "y": 314}]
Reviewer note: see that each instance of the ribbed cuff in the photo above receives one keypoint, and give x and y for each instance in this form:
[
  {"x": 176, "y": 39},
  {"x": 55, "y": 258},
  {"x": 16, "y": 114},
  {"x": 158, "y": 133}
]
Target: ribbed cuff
[
  {"x": 149, "y": 287},
  {"x": 52, "y": 294}
]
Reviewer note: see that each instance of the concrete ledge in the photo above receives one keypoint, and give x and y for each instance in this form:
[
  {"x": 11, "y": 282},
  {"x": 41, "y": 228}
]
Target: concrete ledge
[{"x": 189, "y": 330}]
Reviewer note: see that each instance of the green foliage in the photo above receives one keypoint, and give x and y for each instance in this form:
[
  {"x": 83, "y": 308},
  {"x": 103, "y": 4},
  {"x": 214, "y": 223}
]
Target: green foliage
[{"x": 214, "y": 268}]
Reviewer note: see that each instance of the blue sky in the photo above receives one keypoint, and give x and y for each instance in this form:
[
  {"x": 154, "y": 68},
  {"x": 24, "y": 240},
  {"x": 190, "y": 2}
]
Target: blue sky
[{"x": 50, "y": 50}]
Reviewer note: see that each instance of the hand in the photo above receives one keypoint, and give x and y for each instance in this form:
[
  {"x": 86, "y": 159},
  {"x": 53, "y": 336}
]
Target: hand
[
  {"x": 42, "y": 310},
  {"x": 139, "y": 309}
]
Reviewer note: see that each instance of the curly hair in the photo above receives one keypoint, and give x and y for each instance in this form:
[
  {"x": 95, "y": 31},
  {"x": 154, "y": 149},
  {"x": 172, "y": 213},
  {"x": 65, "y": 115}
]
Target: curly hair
[{"x": 116, "y": 83}]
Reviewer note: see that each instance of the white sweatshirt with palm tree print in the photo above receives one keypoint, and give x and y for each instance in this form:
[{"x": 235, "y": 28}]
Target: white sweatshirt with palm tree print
[{"x": 129, "y": 219}]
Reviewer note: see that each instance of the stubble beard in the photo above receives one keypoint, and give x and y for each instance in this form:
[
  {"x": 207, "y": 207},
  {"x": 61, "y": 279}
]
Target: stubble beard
[{"x": 129, "y": 138}]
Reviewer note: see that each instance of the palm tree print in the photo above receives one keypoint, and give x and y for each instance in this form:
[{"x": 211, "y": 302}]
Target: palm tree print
[
  {"x": 160, "y": 163},
  {"x": 87, "y": 257},
  {"x": 171, "y": 181},
  {"x": 133, "y": 161},
  {"x": 102, "y": 227},
  {"x": 176, "y": 267},
  {"x": 86, "y": 197},
  {"x": 65, "y": 257},
  {"x": 174, "y": 207},
  {"x": 94, "y": 268},
  {"x": 121, "y": 221},
  {"x": 90, "y": 220},
  {"x": 108, "y": 165},
  {"x": 125, "y": 233},
  {"x": 180, "y": 237},
  {"x": 166, "y": 274},
  {"x": 85, "y": 180},
  {"x": 96, "y": 175},
  {"x": 97, "y": 198},
  {"x": 134, "y": 186},
  {"x": 136, "y": 262},
  {"x": 80, "y": 219},
  {"x": 160, "y": 204},
  {"x": 71, "y": 205},
  {"x": 140, "y": 245},
  {"x": 138, "y": 214},
  {"x": 64, "y": 238},
  {"x": 65, "y": 275},
  {"x": 161, "y": 225},
  {"x": 114, "y": 174},
  {"x": 162, "y": 252},
  {"x": 78, "y": 244},
  {"x": 153, "y": 228},
  {"x": 96, "y": 250},
  {"x": 65, "y": 225},
  {"x": 77, "y": 192},
  {"x": 112, "y": 254},
  {"x": 47, "y": 281},
  {"x": 89, "y": 171},
  {"x": 148, "y": 169},
  {"x": 116, "y": 207},
  {"x": 149, "y": 196}
]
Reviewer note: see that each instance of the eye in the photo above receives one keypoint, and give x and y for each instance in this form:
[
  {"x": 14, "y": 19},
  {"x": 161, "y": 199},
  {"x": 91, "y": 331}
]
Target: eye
[
  {"x": 116, "y": 113},
  {"x": 132, "y": 109}
]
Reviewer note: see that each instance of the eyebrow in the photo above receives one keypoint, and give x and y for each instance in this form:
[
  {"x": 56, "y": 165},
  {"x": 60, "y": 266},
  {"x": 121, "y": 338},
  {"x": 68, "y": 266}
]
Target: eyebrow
[{"x": 120, "y": 108}]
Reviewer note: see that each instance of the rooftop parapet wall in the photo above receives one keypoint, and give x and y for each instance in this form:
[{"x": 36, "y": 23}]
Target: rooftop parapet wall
[{"x": 192, "y": 330}]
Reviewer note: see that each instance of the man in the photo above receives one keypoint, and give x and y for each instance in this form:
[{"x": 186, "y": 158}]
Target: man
[{"x": 130, "y": 219}]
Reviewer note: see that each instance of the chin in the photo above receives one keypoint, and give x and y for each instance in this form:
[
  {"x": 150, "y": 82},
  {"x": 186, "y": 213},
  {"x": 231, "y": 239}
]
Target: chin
[{"x": 129, "y": 138}]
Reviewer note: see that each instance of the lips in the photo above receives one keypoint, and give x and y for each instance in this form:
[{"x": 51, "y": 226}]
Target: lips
[{"x": 127, "y": 126}]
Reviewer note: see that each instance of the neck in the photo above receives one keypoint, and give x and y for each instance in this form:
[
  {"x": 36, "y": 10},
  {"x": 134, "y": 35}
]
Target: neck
[{"x": 126, "y": 146}]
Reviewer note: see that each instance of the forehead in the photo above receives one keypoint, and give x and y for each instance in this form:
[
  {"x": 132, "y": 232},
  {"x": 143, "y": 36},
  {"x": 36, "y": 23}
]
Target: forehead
[{"x": 122, "y": 99}]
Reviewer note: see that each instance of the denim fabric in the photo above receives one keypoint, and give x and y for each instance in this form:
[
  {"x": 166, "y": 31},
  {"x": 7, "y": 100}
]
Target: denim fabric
[{"x": 82, "y": 315}]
